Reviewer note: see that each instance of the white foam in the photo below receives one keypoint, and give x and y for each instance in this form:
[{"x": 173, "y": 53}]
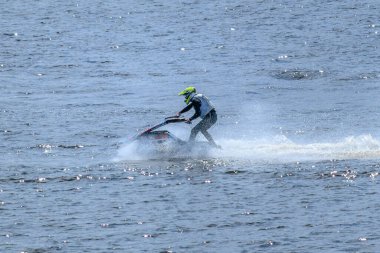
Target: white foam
[
  {"x": 281, "y": 148},
  {"x": 128, "y": 151}
]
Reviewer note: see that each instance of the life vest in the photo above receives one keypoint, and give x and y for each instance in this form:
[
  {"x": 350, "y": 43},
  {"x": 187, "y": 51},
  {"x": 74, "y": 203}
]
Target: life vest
[{"x": 206, "y": 105}]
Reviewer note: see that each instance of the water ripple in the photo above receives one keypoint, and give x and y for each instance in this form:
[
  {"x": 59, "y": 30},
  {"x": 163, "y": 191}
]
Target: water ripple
[{"x": 297, "y": 74}]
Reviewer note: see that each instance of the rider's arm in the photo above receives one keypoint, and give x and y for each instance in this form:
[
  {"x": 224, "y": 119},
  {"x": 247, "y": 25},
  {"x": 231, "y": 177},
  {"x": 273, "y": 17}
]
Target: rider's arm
[
  {"x": 197, "y": 107},
  {"x": 187, "y": 108}
]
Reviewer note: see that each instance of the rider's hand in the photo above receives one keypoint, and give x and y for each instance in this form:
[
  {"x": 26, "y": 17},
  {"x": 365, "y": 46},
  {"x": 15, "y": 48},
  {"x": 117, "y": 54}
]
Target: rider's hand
[
  {"x": 178, "y": 114},
  {"x": 188, "y": 121}
]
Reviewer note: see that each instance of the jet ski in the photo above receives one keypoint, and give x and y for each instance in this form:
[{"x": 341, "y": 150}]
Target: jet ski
[{"x": 153, "y": 142}]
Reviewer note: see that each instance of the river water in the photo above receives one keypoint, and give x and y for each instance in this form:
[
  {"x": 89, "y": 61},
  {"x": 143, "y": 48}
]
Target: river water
[{"x": 296, "y": 88}]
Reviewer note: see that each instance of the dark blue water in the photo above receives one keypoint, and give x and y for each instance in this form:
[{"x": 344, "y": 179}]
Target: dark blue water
[{"x": 296, "y": 88}]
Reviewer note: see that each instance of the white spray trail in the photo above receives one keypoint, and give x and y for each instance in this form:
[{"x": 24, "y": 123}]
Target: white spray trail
[
  {"x": 282, "y": 149},
  {"x": 259, "y": 144}
]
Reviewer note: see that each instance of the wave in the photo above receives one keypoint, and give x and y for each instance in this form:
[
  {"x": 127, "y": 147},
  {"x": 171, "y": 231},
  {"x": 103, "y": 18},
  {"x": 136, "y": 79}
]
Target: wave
[{"x": 281, "y": 148}]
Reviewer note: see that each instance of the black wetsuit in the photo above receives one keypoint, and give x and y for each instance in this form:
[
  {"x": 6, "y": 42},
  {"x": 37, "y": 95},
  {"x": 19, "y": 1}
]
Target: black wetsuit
[{"x": 204, "y": 124}]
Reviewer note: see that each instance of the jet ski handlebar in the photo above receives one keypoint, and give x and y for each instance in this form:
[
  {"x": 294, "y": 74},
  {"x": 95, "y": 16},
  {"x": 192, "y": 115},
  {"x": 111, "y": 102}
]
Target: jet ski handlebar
[
  {"x": 168, "y": 120},
  {"x": 174, "y": 119}
]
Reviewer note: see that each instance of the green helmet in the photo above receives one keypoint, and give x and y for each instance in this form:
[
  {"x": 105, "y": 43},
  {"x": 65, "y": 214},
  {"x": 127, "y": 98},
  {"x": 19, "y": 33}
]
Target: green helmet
[{"x": 187, "y": 93}]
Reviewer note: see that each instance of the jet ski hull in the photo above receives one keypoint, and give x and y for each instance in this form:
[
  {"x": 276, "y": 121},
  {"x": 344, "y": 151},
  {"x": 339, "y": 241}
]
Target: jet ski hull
[{"x": 164, "y": 144}]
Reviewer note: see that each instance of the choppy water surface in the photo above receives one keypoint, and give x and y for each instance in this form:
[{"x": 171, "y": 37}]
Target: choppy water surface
[{"x": 296, "y": 87}]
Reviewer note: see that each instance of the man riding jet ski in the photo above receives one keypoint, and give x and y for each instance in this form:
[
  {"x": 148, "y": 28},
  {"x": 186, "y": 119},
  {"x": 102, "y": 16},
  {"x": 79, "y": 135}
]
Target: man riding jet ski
[
  {"x": 154, "y": 142},
  {"x": 204, "y": 109}
]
